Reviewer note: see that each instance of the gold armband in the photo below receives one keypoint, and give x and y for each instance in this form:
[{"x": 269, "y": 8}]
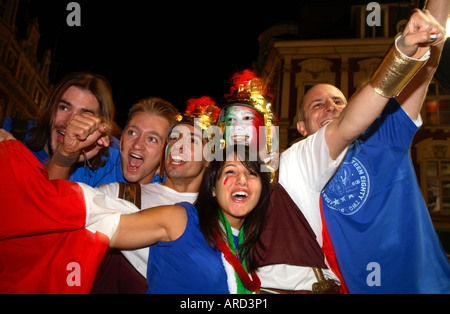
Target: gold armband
[{"x": 394, "y": 72}]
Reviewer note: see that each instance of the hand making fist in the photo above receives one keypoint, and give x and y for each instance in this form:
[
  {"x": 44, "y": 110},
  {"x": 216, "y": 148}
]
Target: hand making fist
[
  {"x": 87, "y": 133},
  {"x": 421, "y": 32}
]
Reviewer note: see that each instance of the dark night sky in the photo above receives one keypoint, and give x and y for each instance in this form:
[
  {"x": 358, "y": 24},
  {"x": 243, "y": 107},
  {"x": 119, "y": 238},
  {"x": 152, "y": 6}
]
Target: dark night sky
[{"x": 172, "y": 49}]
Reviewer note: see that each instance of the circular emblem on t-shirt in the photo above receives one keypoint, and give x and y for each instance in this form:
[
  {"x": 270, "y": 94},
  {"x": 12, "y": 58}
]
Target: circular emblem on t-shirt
[{"x": 349, "y": 188}]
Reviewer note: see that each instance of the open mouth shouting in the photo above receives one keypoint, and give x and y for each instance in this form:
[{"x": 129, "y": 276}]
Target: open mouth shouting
[
  {"x": 134, "y": 162},
  {"x": 240, "y": 196},
  {"x": 60, "y": 133},
  {"x": 240, "y": 138}
]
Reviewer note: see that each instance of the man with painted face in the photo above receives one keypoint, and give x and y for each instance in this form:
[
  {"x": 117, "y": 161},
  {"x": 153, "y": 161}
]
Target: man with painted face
[
  {"x": 183, "y": 169},
  {"x": 248, "y": 119},
  {"x": 243, "y": 123},
  {"x": 286, "y": 236}
]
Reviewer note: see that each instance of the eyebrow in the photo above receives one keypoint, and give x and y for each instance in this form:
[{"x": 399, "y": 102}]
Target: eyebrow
[
  {"x": 197, "y": 136},
  {"x": 241, "y": 113},
  {"x": 225, "y": 167},
  {"x": 68, "y": 103},
  {"x": 153, "y": 132},
  {"x": 322, "y": 99},
  {"x": 191, "y": 134},
  {"x": 248, "y": 113}
]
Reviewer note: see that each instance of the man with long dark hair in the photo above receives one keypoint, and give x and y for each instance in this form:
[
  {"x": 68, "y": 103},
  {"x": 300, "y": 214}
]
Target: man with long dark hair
[{"x": 81, "y": 97}]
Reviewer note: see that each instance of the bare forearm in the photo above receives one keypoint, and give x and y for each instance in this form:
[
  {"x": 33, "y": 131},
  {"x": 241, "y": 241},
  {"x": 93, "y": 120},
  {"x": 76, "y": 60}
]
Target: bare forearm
[
  {"x": 396, "y": 71},
  {"x": 413, "y": 95},
  {"x": 439, "y": 9},
  {"x": 144, "y": 228},
  {"x": 363, "y": 108},
  {"x": 132, "y": 233}
]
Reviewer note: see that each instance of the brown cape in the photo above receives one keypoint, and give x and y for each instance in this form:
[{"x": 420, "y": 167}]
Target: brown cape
[{"x": 287, "y": 237}]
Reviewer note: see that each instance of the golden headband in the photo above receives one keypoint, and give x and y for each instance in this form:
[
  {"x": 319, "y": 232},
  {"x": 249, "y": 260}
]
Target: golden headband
[
  {"x": 248, "y": 90},
  {"x": 201, "y": 113}
]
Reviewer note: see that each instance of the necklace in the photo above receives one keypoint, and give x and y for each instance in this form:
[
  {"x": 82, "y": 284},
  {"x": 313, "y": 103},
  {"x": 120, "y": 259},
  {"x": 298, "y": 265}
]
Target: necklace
[{"x": 245, "y": 283}]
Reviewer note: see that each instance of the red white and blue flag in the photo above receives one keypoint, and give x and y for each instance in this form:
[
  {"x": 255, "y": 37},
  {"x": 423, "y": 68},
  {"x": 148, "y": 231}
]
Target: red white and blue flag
[{"x": 51, "y": 239}]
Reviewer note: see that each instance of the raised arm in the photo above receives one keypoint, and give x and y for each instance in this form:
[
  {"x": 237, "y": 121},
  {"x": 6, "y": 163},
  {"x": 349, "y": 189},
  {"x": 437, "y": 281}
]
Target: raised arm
[
  {"x": 412, "y": 96},
  {"x": 365, "y": 105},
  {"x": 144, "y": 228}
]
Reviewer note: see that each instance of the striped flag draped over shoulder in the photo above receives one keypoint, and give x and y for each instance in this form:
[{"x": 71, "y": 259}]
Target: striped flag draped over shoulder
[{"x": 53, "y": 233}]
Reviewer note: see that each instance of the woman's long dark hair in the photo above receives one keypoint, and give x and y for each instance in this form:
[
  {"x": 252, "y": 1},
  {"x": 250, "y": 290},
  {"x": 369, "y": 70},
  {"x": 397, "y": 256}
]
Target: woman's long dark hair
[{"x": 208, "y": 208}]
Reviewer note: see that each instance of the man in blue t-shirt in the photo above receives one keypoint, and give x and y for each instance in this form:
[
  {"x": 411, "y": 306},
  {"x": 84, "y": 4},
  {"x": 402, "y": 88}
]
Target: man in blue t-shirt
[{"x": 373, "y": 209}]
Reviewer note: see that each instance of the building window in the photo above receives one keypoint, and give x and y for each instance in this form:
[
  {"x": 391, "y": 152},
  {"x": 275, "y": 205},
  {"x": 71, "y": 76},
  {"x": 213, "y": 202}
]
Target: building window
[
  {"x": 380, "y": 30},
  {"x": 436, "y": 110},
  {"x": 385, "y": 20},
  {"x": 434, "y": 160},
  {"x": 438, "y": 186}
]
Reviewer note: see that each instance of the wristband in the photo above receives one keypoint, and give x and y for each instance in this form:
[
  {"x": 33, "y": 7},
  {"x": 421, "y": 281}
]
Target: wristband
[
  {"x": 63, "y": 160},
  {"x": 394, "y": 72}
]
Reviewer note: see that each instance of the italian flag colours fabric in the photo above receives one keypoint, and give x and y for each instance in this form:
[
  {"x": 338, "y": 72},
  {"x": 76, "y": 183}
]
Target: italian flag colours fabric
[{"x": 51, "y": 239}]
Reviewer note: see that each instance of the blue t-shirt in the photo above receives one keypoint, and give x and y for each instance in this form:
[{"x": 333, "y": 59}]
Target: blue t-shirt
[
  {"x": 376, "y": 217},
  {"x": 187, "y": 265},
  {"x": 110, "y": 172},
  {"x": 23, "y": 135}
]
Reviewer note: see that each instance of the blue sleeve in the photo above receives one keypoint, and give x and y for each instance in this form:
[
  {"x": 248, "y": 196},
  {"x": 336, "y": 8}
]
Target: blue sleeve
[
  {"x": 110, "y": 172},
  {"x": 393, "y": 128},
  {"x": 7, "y": 124}
]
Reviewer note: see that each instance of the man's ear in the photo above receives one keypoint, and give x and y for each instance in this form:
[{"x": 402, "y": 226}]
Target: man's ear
[{"x": 301, "y": 128}]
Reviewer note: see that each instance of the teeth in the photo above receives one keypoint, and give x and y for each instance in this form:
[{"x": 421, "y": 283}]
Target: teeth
[
  {"x": 240, "y": 195},
  {"x": 135, "y": 156},
  {"x": 178, "y": 158},
  {"x": 240, "y": 138}
]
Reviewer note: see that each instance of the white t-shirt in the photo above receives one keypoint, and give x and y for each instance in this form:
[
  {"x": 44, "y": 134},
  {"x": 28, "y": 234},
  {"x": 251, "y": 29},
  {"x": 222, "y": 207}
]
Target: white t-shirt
[
  {"x": 152, "y": 195},
  {"x": 305, "y": 169}
]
